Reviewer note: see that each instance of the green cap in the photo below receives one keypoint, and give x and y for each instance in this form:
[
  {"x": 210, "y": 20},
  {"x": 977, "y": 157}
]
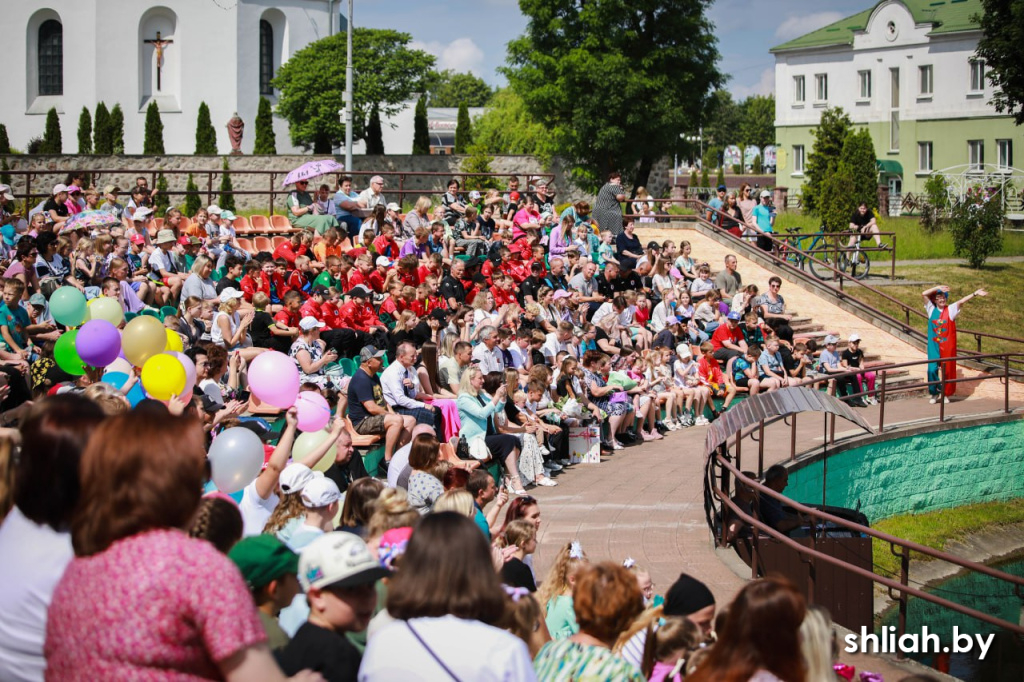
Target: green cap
[{"x": 262, "y": 559}]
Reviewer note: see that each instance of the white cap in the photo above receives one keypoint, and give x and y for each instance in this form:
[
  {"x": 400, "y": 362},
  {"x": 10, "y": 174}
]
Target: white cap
[
  {"x": 295, "y": 477},
  {"x": 394, "y": 207},
  {"x": 683, "y": 350},
  {"x": 142, "y": 212},
  {"x": 765, "y": 193},
  {"x": 58, "y": 188},
  {"x": 310, "y": 322},
  {"x": 213, "y": 209},
  {"x": 854, "y": 337},
  {"x": 474, "y": 195},
  {"x": 229, "y": 293},
  {"x": 383, "y": 262},
  {"x": 338, "y": 560},
  {"x": 831, "y": 338},
  {"x": 5, "y": 189},
  {"x": 320, "y": 492}
]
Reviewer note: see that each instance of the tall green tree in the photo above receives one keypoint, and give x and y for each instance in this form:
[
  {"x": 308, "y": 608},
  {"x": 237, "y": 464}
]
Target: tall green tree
[
  {"x": 117, "y": 130},
  {"x": 52, "y": 143},
  {"x": 153, "y": 142},
  {"x": 374, "y": 134},
  {"x": 757, "y": 120},
  {"x": 720, "y": 178},
  {"x": 266, "y": 139},
  {"x": 420, "y": 132},
  {"x": 102, "y": 142},
  {"x": 450, "y": 89},
  {"x": 85, "y": 132},
  {"x": 506, "y": 127},
  {"x": 227, "y": 197},
  {"x": 392, "y": 72},
  {"x": 1002, "y": 34},
  {"x": 192, "y": 200},
  {"x": 859, "y": 154},
  {"x": 5, "y": 148},
  {"x": 162, "y": 201},
  {"x": 478, "y": 161},
  {"x": 463, "y": 130},
  {"x": 613, "y": 80},
  {"x": 829, "y": 137},
  {"x": 206, "y": 136},
  {"x": 722, "y": 120}
]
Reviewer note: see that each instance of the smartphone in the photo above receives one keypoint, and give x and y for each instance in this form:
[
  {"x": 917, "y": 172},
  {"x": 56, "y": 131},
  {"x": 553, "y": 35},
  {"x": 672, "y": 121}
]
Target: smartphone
[{"x": 243, "y": 396}]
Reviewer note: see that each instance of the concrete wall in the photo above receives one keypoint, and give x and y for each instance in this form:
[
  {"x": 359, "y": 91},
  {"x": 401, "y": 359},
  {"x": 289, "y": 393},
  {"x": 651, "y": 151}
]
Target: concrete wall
[{"x": 921, "y": 473}]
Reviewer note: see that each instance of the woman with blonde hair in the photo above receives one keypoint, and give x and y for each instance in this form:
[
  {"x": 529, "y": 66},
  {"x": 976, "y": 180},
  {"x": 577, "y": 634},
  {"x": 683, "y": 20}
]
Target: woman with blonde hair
[
  {"x": 555, "y": 593},
  {"x": 418, "y": 217},
  {"x": 230, "y": 330},
  {"x": 457, "y": 500},
  {"x": 818, "y": 644},
  {"x": 389, "y": 511},
  {"x": 476, "y": 412}
]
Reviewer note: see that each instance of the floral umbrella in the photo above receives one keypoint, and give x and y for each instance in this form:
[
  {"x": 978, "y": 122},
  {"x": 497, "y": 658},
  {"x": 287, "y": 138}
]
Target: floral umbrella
[
  {"x": 312, "y": 169},
  {"x": 90, "y": 220}
]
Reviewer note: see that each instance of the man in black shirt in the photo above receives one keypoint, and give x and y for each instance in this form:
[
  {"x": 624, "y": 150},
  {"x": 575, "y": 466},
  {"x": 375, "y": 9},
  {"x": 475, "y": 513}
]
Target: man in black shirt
[
  {"x": 528, "y": 289},
  {"x": 55, "y": 209},
  {"x": 627, "y": 280},
  {"x": 451, "y": 287},
  {"x": 604, "y": 286},
  {"x": 556, "y": 279},
  {"x": 232, "y": 274}
]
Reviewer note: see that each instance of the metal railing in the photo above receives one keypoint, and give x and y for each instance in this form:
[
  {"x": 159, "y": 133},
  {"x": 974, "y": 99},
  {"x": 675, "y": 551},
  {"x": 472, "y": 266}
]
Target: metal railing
[
  {"x": 897, "y": 546},
  {"x": 209, "y": 180}
]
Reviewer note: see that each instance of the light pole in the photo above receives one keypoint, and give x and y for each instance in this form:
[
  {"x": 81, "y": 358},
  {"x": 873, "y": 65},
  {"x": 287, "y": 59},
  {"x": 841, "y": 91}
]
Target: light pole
[
  {"x": 699, "y": 138},
  {"x": 347, "y": 96}
]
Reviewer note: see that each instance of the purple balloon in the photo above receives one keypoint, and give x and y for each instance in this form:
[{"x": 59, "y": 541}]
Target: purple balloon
[{"x": 98, "y": 343}]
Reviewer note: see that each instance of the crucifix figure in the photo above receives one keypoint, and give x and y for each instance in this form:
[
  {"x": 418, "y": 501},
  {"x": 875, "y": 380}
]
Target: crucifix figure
[{"x": 159, "y": 44}]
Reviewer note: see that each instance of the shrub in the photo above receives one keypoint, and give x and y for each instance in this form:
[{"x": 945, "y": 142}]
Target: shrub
[
  {"x": 976, "y": 225},
  {"x": 266, "y": 140},
  {"x": 227, "y": 197},
  {"x": 420, "y": 134},
  {"x": 720, "y": 180},
  {"x": 704, "y": 179},
  {"x": 192, "y": 201},
  {"x": 85, "y": 132},
  {"x": 736, "y": 170},
  {"x": 52, "y": 143},
  {"x": 161, "y": 202},
  {"x": 463, "y": 130},
  {"x": 374, "y": 136},
  {"x": 757, "y": 165},
  {"x": 101, "y": 133},
  {"x": 153, "y": 143},
  {"x": 5, "y": 142},
  {"x": 206, "y": 136},
  {"x": 34, "y": 146},
  {"x": 116, "y": 130},
  {"x": 478, "y": 161},
  {"x": 693, "y": 179}
]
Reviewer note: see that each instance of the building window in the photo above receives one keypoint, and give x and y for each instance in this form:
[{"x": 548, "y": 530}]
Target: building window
[
  {"x": 924, "y": 74},
  {"x": 798, "y": 158},
  {"x": 1004, "y": 153},
  {"x": 977, "y": 75},
  {"x": 266, "y": 57},
  {"x": 821, "y": 87},
  {"x": 51, "y": 58},
  {"x": 864, "y": 78},
  {"x": 976, "y": 154},
  {"x": 894, "y": 110},
  {"x": 924, "y": 156},
  {"x": 799, "y": 90}
]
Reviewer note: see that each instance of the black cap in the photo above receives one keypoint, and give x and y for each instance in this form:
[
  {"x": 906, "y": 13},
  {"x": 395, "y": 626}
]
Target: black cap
[
  {"x": 479, "y": 279},
  {"x": 686, "y": 596},
  {"x": 721, "y": 188},
  {"x": 359, "y": 290},
  {"x": 653, "y": 245},
  {"x": 439, "y": 314},
  {"x": 320, "y": 290}
]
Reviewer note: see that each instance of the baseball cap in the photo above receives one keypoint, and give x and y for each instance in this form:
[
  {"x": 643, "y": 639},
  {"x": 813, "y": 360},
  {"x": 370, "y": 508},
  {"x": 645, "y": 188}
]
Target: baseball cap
[
  {"x": 514, "y": 196},
  {"x": 734, "y": 316},
  {"x": 319, "y": 290},
  {"x": 394, "y": 207},
  {"x": 5, "y": 189},
  {"x": 320, "y": 492},
  {"x": 213, "y": 209},
  {"x": 164, "y": 236},
  {"x": 142, "y": 213},
  {"x": 671, "y": 319},
  {"x": 831, "y": 338},
  {"x": 338, "y": 560},
  {"x": 439, "y": 314},
  {"x": 359, "y": 290},
  {"x": 295, "y": 476},
  {"x": 683, "y": 350},
  {"x": 309, "y": 322},
  {"x": 229, "y": 293},
  {"x": 765, "y": 193},
  {"x": 137, "y": 239},
  {"x": 263, "y": 559},
  {"x": 37, "y": 299},
  {"x": 474, "y": 195},
  {"x": 74, "y": 188},
  {"x": 226, "y": 215},
  {"x": 561, "y": 293},
  {"x": 392, "y": 545},
  {"x": 687, "y": 595},
  {"x": 653, "y": 245},
  {"x": 370, "y": 352},
  {"x": 58, "y": 188},
  {"x": 721, "y": 188},
  {"x": 184, "y": 240},
  {"x": 854, "y": 337},
  {"x": 383, "y": 262},
  {"x": 111, "y": 189}
]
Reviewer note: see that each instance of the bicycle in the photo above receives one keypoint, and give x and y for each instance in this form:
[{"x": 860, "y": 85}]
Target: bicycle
[
  {"x": 855, "y": 261},
  {"x": 816, "y": 256}
]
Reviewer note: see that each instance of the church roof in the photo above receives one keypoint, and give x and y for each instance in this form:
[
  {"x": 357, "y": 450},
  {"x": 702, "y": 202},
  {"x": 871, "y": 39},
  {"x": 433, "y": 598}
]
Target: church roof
[{"x": 945, "y": 16}]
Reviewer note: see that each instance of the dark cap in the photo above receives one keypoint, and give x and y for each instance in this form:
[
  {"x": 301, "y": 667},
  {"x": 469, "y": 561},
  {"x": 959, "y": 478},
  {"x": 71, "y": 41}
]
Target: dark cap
[
  {"x": 439, "y": 314},
  {"x": 360, "y": 291},
  {"x": 320, "y": 290},
  {"x": 686, "y": 596},
  {"x": 721, "y": 188},
  {"x": 653, "y": 245}
]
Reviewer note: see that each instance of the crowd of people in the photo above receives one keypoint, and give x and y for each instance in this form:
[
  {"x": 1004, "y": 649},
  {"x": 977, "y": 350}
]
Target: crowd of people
[{"x": 467, "y": 341}]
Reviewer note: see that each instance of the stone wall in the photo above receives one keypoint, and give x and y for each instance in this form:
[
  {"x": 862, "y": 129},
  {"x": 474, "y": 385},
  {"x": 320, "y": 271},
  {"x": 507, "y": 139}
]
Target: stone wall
[
  {"x": 250, "y": 174},
  {"x": 921, "y": 473}
]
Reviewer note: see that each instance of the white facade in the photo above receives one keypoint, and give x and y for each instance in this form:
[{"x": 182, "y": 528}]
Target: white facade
[{"x": 214, "y": 56}]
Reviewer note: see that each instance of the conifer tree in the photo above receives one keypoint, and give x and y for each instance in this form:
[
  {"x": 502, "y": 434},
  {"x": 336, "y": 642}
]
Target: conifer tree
[
  {"x": 153, "y": 143},
  {"x": 101, "y": 133},
  {"x": 266, "y": 140},
  {"x": 117, "y": 130},
  {"x": 206, "y": 136},
  {"x": 227, "y": 197},
  {"x": 421, "y": 134},
  {"x": 85, "y": 132},
  {"x": 51, "y": 136}
]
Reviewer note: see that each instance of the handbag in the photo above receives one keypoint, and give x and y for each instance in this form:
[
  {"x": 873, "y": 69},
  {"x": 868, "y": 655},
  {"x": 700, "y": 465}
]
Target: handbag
[
  {"x": 462, "y": 449},
  {"x": 478, "y": 449}
]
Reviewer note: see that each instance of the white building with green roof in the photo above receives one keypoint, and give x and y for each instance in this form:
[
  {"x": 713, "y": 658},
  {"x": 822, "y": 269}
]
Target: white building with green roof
[{"x": 906, "y": 71}]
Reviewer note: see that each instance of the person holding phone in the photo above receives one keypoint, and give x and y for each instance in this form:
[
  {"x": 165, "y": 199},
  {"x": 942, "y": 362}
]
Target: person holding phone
[{"x": 311, "y": 354}]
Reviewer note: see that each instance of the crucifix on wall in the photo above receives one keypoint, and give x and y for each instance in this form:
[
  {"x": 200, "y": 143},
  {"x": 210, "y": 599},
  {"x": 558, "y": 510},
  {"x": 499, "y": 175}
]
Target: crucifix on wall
[{"x": 159, "y": 44}]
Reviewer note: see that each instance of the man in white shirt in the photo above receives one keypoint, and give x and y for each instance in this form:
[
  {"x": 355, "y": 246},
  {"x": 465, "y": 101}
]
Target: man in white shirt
[
  {"x": 557, "y": 341},
  {"x": 372, "y": 195},
  {"x": 402, "y": 390},
  {"x": 486, "y": 352}
]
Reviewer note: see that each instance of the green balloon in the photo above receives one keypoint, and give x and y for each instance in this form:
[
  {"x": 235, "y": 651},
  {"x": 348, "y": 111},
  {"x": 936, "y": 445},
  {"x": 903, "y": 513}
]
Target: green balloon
[
  {"x": 67, "y": 305},
  {"x": 66, "y": 356}
]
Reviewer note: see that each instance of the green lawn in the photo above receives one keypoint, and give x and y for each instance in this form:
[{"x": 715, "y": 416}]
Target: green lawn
[
  {"x": 999, "y": 313},
  {"x": 912, "y": 243},
  {"x": 936, "y": 529}
]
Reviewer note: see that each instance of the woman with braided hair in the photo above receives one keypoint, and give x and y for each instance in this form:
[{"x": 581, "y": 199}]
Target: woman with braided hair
[{"x": 218, "y": 521}]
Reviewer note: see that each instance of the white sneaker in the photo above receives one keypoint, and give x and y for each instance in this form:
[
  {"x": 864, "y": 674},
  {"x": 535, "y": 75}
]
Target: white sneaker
[
  {"x": 701, "y": 421},
  {"x": 563, "y": 462},
  {"x": 546, "y": 482},
  {"x": 933, "y": 400},
  {"x": 946, "y": 400},
  {"x": 544, "y": 450}
]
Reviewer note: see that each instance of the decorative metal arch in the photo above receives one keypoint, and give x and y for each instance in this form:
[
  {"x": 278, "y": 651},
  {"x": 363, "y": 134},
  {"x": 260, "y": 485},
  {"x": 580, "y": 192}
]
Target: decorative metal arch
[{"x": 1007, "y": 181}]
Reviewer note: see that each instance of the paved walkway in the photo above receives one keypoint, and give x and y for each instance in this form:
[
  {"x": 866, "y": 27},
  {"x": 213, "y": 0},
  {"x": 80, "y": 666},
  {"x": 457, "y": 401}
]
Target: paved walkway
[
  {"x": 959, "y": 261},
  {"x": 646, "y": 502}
]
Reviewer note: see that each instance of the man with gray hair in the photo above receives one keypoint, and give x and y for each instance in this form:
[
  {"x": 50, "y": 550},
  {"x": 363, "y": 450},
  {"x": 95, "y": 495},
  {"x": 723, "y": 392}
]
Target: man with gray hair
[
  {"x": 372, "y": 195},
  {"x": 486, "y": 353},
  {"x": 402, "y": 388}
]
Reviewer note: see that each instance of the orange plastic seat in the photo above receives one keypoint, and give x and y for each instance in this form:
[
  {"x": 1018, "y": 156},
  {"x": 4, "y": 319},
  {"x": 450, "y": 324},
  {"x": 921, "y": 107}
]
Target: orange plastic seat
[
  {"x": 241, "y": 224},
  {"x": 247, "y": 245},
  {"x": 277, "y": 241},
  {"x": 279, "y": 223},
  {"x": 158, "y": 223},
  {"x": 263, "y": 244},
  {"x": 259, "y": 223}
]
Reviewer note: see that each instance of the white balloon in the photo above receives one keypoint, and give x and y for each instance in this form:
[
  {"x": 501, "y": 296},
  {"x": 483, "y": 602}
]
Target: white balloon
[
  {"x": 236, "y": 459},
  {"x": 119, "y": 365}
]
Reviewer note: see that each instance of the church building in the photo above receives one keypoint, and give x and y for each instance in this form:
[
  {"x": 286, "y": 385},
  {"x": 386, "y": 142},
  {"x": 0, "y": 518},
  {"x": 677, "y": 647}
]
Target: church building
[{"x": 66, "y": 54}]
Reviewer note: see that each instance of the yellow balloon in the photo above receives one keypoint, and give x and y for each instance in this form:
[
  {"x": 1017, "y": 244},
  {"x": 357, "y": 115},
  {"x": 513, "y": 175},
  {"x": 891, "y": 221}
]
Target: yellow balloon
[
  {"x": 142, "y": 338},
  {"x": 104, "y": 308},
  {"x": 307, "y": 442},
  {"x": 163, "y": 376},
  {"x": 174, "y": 341}
]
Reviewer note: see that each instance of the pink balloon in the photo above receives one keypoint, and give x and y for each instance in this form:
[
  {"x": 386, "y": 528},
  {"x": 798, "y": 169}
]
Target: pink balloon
[
  {"x": 190, "y": 369},
  {"x": 313, "y": 411},
  {"x": 274, "y": 379}
]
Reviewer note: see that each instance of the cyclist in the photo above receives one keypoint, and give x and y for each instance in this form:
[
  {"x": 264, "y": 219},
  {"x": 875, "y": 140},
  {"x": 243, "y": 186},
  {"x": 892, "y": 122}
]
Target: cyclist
[{"x": 863, "y": 221}]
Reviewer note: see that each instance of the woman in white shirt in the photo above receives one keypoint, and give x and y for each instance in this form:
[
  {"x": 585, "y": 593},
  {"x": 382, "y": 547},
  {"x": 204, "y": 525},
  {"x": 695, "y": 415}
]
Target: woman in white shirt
[{"x": 446, "y": 599}]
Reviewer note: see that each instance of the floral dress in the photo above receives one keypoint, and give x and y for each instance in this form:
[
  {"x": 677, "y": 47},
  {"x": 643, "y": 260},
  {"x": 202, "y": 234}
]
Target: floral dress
[
  {"x": 316, "y": 351},
  {"x": 604, "y": 402}
]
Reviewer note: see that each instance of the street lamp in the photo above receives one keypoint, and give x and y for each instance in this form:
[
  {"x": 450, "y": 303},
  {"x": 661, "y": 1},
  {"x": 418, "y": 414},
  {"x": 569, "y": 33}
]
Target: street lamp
[
  {"x": 346, "y": 97},
  {"x": 699, "y": 137}
]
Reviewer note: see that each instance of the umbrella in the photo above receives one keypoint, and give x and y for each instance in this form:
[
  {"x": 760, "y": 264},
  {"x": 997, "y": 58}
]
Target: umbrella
[
  {"x": 90, "y": 220},
  {"x": 311, "y": 170}
]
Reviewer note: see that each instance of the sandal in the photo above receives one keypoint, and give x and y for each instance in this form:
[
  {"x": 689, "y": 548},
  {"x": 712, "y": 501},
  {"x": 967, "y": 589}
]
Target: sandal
[{"x": 513, "y": 488}]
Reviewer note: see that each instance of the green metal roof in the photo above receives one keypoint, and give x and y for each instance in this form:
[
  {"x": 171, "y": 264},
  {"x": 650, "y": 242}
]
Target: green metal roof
[{"x": 946, "y": 16}]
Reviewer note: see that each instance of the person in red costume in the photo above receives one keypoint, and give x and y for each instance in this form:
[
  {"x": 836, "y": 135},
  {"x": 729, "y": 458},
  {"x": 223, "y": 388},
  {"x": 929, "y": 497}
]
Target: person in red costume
[{"x": 942, "y": 339}]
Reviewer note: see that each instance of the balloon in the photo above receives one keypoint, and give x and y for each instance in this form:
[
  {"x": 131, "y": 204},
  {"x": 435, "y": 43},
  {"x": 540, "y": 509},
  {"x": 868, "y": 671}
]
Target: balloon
[
  {"x": 236, "y": 458},
  {"x": 98, "y": 342},
  {"x": 108, "y": 309},
  {"x": 274, "y": 379},
  {"x": 313, "y": 411},
  {"x": 174, "y": 341},
  {"x": 65, "y": 354},
  {"x": 117, "y": 379},
  {"x": 307, "y": 442},
  {"x": 190, "y": 370},
  {"x": 67, "y": 305},
  {"x": 163, "y": 376},
  {"x": 142, "y": 338},
  {"x": 120, "y": 365}
]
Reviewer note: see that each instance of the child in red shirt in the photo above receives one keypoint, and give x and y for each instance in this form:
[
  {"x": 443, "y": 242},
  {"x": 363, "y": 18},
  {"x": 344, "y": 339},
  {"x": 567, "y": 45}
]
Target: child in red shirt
[
  {"x": 710, "y": 374},
  {"x": 385, "y": 244}
]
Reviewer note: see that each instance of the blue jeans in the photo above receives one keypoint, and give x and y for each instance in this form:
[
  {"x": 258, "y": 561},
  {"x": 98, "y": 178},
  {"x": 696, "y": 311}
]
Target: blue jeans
[{"x": 352, "y": 224}]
